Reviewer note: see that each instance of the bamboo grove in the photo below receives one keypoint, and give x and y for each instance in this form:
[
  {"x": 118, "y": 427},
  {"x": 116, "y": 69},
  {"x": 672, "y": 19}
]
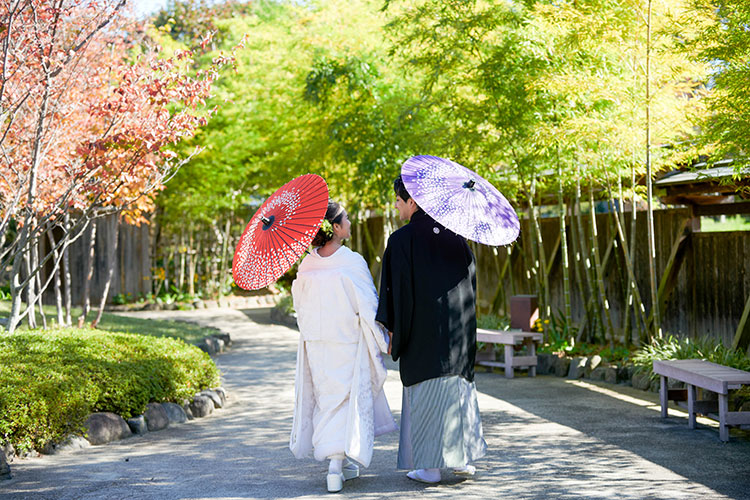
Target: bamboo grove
[{"x": 564, "y": 105}]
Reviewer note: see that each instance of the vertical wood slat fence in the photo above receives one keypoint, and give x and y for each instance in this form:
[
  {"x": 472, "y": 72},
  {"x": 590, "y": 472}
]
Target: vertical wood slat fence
[
  {"x": 710, "y": 286},
  {"x": 710, "y": 289},
  {"x": 132, "y": 272}
]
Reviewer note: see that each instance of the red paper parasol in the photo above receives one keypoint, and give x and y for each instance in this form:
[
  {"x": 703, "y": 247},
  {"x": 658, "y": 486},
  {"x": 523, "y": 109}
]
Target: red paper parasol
[{"x": 280, "y": 231}]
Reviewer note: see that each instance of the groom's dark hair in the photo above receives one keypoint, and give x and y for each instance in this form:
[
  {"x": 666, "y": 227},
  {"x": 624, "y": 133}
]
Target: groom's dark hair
[{"x": 400, "y": 188}]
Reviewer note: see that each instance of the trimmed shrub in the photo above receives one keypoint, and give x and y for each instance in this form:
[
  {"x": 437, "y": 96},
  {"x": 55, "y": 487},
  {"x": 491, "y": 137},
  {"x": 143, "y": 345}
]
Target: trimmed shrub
[{"x": 52, "y": 380}]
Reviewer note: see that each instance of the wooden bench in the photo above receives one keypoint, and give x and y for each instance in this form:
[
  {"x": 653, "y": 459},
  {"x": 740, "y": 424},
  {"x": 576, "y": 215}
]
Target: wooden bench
[
  {"x": 511, "y": 338},
  {"x": 708, "y": 376}
]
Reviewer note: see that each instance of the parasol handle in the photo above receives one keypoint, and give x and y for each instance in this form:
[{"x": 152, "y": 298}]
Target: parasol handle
[{"x": 469, "y": 184}]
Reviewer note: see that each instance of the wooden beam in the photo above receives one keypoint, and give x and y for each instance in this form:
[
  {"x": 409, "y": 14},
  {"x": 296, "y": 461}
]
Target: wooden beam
[
  {"x": 722, "y": 209},
  {"x": 700, "y": 188}
]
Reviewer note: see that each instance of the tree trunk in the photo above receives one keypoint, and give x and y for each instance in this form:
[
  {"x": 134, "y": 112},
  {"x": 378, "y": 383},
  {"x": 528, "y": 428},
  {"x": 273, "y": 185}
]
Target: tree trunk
[
  {"x": 191, "y": 258},
  {"x": 58, "y": 288},
  {"x": 86, "y": 299},
  {"x": 223, "y": 278},
  {"x": 181, "y": 272},
  {"x": 30, "y": 287},
  {"x": 67, "y": 279},
  {"x": 114, "y": 241},
  {"x": 39, "y": 287}
]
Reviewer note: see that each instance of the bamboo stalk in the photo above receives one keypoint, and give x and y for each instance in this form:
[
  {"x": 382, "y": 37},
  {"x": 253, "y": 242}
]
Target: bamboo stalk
[
  {"x": 649, "y": 187},
  {"x": 596, "y": 318},
  {"x": 541, "y": 260},
  {"x": 564, "y": 243},
  {"x": 599, "y": 270}
]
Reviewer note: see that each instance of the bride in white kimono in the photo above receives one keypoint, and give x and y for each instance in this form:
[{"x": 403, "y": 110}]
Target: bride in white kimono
[{"x": 340, "y": 405}]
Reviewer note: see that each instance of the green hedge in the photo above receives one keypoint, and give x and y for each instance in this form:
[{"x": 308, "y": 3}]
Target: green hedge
[{"x": 52, "y": 380}]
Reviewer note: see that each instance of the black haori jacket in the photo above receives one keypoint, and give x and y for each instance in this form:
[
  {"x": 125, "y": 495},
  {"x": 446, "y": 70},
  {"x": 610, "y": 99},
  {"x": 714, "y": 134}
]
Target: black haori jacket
[{"x": 427, "y": 299}]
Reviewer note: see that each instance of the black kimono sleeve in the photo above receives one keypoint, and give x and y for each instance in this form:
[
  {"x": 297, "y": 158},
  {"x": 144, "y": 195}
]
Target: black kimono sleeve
[{"x": 396, "y": 304}]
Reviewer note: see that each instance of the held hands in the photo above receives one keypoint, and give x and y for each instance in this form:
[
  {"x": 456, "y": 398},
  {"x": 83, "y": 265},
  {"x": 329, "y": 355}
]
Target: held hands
[{"x": 390, "y": 341}]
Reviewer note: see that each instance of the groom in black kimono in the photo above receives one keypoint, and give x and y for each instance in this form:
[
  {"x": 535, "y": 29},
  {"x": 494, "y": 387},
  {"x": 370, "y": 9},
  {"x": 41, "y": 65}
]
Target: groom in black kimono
[{"x": 427, "y": 303}]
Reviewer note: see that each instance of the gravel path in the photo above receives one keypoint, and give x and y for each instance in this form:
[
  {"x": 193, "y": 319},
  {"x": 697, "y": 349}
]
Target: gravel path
[{"x": 548, "y": 438}]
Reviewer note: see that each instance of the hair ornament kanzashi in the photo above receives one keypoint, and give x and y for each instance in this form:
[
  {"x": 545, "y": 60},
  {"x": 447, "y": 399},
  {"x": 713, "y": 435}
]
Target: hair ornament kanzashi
[{"x": 327, "y": 228}]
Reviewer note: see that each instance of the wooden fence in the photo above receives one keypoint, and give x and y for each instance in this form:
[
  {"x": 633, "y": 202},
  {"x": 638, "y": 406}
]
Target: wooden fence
[
  {"x": 132, "y": 272},
  {"x": 709, "y": 282},
  {"x": 709, "y": 278}
]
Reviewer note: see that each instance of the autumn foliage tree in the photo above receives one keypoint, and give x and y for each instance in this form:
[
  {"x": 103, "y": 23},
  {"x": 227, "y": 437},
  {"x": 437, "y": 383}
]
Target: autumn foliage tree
[{"x": 88, "y": 109}]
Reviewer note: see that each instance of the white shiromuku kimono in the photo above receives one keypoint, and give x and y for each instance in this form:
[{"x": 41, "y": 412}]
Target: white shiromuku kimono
[{"x": 340, "y": 405}]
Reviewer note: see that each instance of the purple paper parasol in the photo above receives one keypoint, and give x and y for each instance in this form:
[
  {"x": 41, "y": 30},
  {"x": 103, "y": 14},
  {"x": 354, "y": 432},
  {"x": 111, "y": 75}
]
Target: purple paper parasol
[{"x": 460, "y": 200}]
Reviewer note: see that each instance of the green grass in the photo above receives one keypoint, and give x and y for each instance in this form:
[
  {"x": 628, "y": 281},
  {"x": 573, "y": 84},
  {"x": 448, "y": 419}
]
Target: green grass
[
  {"x": 53, "y": 379},
  {"x": 711, "y": 224},
  {"x": 188, "y": 332}
]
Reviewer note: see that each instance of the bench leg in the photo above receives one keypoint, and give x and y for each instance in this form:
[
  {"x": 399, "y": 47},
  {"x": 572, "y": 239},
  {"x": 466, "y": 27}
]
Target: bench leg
[
  {"x": 532, "y": 352},
  {"x": 691, "y": 405},
  {"x": 508, "y": 361},
  {"x": 723, "y": 409},
  {"x": 663, "y": 393}
]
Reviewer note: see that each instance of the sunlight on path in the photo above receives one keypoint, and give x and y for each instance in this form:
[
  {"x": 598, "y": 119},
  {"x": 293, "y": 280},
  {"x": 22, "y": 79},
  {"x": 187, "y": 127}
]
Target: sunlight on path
[{"x": 548, "y": 439}]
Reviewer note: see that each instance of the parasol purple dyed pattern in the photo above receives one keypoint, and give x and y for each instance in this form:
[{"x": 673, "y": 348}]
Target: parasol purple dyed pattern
[{"x": 460, "y": 200}]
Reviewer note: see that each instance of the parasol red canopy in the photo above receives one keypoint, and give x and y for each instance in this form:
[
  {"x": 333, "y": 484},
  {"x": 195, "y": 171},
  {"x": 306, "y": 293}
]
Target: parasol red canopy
[{"x": 280, "y": 231}]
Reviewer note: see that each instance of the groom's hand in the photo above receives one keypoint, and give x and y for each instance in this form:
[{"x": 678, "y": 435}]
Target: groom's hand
[{"x": 390, "y": 341}]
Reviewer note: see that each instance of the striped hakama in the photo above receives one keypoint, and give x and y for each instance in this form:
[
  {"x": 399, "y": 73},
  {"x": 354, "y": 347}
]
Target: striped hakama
[{"x": 440, "y": 425}]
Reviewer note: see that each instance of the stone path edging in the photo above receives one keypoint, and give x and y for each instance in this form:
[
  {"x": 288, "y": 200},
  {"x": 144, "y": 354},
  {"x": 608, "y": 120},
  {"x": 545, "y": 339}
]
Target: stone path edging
[{"x": 105, "y": 427}]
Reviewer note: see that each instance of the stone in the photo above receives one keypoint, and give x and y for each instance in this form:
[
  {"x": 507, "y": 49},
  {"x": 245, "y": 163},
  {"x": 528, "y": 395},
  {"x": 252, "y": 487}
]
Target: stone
[
  {"x": 610, "y": 374},
  {"x": 675, "y": 384},
  {"x": 222, "y": 394},
  {"x": 175, "y": 413},
  {"x": 104, "y": 427},
  {"x": 641, "y": 381},
  {"x": 593, "y": 363},
  {"x": 70, "y": 444},
  {"x": 224, "y": 337},
  {"x": 625, "y": 374},
  {"x": 199, "y": 304},
  {"x": 201, "y": 406},
  {"x": 8, "y": 450},
  {"x": 562, "y": 366},
  {"x": 188, "y": 411},
  {"x": 209, "y": 345},
  {"x": 598, "y": 373},
  {"x": 654, "y": 385},
  {"x": 156, "y": 417},
  {"x": 138, "y": 425},
  {"x": 220, "y": 345},
  {"x": 4, "y": 468},
  {"x": 218, "y": 403},
  {"x": 576, "y": 368},
  {"x": 544, "y": 362}
]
